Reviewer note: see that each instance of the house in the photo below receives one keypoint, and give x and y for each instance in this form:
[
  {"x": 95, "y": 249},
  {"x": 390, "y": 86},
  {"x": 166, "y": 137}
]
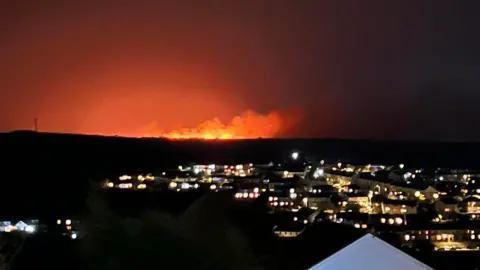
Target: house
[
  {"x": 352, "y": 189},
  {"x": 355, "y": 219},
  {"x": 473, "y": 186},
  {"x": 362, "y": 200},
  {"x": 372, "y": 253},
  {"x": 430, "y": 193},
  {"x": 371, "y": 180},
  {"x": 383, "y": 183},
  {"x": 470, "y": 205},
  {"x": 396, "y": 207},
  {"x": 446, "y": 206},
  {"x": 390, "y": 221},
  {"x": 325, "y": 189},
  {"x": 291, "y": 224},
  {"x": 293, "y": 230},
  {"x": 320, "y": 201},
  {"x": 247, "y": 191},
  {"x": 182, "y": 186},
  {"x": 275, "y": 183},
  {"x": 281, "y": 200},
  {"x": 297, "y": 168},
  {"x": 289, "y": 170},
  {"x": 450, "y": 188},
  {"x": 449, "y": 236},
  {"x": 338, "y": 177},
  {"x": 449, "y": 175}
]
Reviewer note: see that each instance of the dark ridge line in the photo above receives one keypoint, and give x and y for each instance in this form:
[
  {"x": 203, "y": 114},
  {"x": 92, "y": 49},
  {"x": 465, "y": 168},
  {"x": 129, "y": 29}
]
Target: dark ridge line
[{"x": 304, "y": 139}]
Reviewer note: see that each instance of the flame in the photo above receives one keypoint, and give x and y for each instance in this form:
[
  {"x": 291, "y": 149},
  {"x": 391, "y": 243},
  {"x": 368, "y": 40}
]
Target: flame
[{"x": 249, "y": 125}]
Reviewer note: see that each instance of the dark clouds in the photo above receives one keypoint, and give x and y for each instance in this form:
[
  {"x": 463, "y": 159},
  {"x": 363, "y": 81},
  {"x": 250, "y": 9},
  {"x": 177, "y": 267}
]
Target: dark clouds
[{"x": 382, "y": 69}]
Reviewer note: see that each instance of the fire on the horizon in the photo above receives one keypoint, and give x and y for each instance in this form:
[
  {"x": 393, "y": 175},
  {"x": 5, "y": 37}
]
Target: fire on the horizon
[{"x": 248, "y": 125}]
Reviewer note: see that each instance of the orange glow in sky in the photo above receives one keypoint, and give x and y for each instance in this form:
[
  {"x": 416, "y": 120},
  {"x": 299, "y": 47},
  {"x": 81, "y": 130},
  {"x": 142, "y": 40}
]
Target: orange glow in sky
[{"x": 248, "y": 125}]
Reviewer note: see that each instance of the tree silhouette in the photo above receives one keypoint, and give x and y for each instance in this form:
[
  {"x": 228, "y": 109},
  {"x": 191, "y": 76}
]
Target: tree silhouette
[
  {"x": 201, "y": 238},
  {"x": 10, "y": 245}
]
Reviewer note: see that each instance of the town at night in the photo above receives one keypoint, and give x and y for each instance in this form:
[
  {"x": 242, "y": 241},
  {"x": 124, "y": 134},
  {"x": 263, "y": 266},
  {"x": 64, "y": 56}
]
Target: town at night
[{"x": 246, "y": 135}]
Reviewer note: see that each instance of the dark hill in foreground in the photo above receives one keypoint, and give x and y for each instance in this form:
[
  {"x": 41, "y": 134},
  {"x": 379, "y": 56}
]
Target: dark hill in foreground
[
  {"x": 47, "y": 166},
  {"x": 46, "y": 175},
  {"x": 87, "y": 154}
]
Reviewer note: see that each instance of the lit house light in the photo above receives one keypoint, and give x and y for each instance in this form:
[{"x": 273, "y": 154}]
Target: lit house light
[
  {"x": 30, "y": 229},
  {"x": 398, "y": 220},
  {"x": 125, "y": 177}
]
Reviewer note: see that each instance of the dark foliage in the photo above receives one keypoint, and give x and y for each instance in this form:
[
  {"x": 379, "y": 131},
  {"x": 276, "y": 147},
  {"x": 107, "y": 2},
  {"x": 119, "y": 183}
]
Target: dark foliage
[
  {"x": 10, "y": 246},
  {"x": 201, "y": 238}
]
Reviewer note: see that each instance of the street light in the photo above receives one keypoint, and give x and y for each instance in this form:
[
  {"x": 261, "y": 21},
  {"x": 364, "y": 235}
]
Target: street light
[{"x": 295, "y": 155}]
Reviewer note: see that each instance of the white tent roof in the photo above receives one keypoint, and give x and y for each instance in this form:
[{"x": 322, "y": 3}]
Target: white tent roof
[{"x": 370, "y": 253}]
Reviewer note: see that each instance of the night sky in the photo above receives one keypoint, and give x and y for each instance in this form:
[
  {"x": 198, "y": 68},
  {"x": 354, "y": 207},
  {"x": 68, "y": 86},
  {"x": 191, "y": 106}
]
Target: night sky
[{"x": 377, "y": 69}]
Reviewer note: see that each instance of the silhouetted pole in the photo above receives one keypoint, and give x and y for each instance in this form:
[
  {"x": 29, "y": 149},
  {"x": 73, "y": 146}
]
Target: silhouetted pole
[{"x": 35, "y": 124}]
